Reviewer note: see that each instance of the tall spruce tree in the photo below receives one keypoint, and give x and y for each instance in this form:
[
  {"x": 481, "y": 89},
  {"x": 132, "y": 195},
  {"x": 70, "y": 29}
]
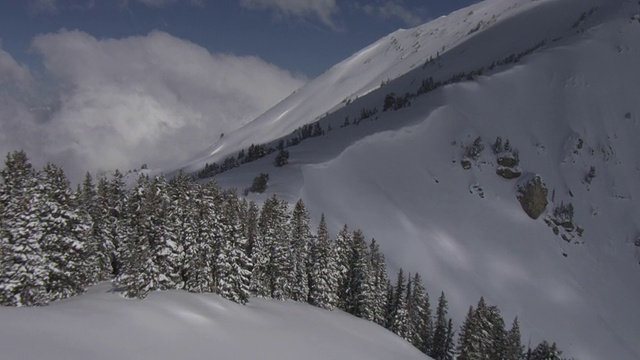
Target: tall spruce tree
[
  {"x": 136, "y": 269},
  {"x": 439, "y": 346},
  {"x": 65, "y": 230},
  {"x": 342, "y": 254},
  {"x": 467, "y": 345},
  {"x": 300, "y": 239},
  {"x": 399, "y": 317},
  {"x": 233, "y": 265},
  {"x": 101, "y": 249},
  {"x": 513, "y": 346},
  {"x": 379, "y": 283},
  {"x": 24, "y": 277},
  {"x": 359, "y": 301},
  {"x": 117, "y": 221},
  {"x": 272, "y": 268},
  {"x": 419, "y": 324},
  {"x": 323, "y": 281},
  {"x": 426, "y": 328}
]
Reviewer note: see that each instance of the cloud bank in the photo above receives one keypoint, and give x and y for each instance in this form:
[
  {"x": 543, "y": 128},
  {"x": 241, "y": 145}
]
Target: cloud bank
[{"x": 119, "y": 103}]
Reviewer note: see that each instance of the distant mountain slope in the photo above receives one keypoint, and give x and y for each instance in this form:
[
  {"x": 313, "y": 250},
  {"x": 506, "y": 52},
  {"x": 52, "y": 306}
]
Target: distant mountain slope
[
  {"x": 179, "y": 325},
  {"x": 466, "y": 40},
  {"x": 571, "y": 105}
]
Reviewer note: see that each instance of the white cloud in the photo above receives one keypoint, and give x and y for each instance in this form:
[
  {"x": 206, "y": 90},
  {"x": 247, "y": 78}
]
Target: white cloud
[
  {"x": 322, "y": 9},
  {"x": 152, "y": 99},
  {"x": 395, "y": 9}
]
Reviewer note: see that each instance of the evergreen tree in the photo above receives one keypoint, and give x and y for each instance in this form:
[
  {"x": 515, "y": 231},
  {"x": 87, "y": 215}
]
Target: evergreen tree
[
  {"x": 379, "y": 283},
  {"x": 300, "y": 239},
  {"x": 449, "y": 348},
  {"x": 359, "y": 296},
  {"x": 181, "y": 215},
  {"x": 323, "y": 282},
  {"x": 389, "y": 310},
  {"x": 467, "y": 345},
  {"x": 250, "y": 226},
  {"x": 497, "y": 335},
  {"x": 425, "y": 330},
  {"x": 544, "y": 351},
  {"x": 439, "y": 346},
  {"x": 117, "y": 221},
  {"x": 23, "y": 262},
  {"x": 513, "y": 346},
  {"x": 136, "y": 254},
  {"x": 399, "y": 324},
  {"x": 63, "y": 237},
  {"x": 272, "y": 268},
  {"x": 342, "y": 251},
  {"x": 162, "y": 235},
  {"x": 418, "y": 324},
  {"x": 100, "y": 249},
  {"x": 233, "y": 265}
]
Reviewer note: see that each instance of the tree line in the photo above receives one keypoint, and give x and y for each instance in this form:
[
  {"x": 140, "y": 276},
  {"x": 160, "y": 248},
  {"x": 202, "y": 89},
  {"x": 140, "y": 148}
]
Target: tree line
[{"x": 177, "y": 234}]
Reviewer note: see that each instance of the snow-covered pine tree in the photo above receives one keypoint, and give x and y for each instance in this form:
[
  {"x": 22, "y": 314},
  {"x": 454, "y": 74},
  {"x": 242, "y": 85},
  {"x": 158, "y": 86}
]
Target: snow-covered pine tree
[
  {"x": 250, "y": 225},
  {"x": 379, "y": 283},
  {"x": 24, "y": 266},
  {"x": 399, "y": 320},
  {"x": 65, "y": 230},
  {"x": 359, "y": 296},
  {"x": 544, "y": 351},
  {"x": 415, "y": 312},
  {"x": 323, "y": 281},
  {"x": 425, "y": 329},
  {"x": 342, "y": 254},
  {"x": 389, "y": 307},
  {"x": 136, "y": 268},
  {"x": 439, "y": 347},
  {"x": 272, "y": 266},
  {"x": 161, "y": 234},
  {"x": 300, "y": 238},
  {"x": 200, "y": 258},
  {"x": 513, "y": 347},
  {"x": 467, "y": 346},
  {"x": 449, "y": 347},
  {"x": 103, "y": 229},
  {"x": 233, "y": 266},
  {"x": 117, "y": 221},
  {"x": 182, "y": 216},
  {"x": 100, "y": 252},
  {"x": 497, "y": 335}
]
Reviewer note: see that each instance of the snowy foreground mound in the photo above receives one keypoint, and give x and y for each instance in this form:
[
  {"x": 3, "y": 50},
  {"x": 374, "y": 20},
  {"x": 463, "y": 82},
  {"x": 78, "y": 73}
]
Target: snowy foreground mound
[{"x": 179, "y": 325}]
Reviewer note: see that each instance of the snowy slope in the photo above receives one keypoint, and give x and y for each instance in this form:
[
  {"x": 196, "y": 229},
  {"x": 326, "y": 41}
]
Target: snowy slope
[
  {"x": 485, "y": 30},
  {"x": 397, "y": 175},
  {"x": 179, "y": 325}
]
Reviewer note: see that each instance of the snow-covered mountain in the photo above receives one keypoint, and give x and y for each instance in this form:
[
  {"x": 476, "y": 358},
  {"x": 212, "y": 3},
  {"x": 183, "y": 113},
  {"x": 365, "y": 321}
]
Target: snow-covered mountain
[
  {"x": 178, "y": 325},
  {"x": 558, "y": 79}
]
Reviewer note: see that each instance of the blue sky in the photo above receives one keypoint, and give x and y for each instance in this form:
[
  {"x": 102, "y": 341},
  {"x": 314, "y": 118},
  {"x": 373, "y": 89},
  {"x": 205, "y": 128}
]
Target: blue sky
[
  {"x": 95, "y": 85},
  {"x": 303, "y": 36}
]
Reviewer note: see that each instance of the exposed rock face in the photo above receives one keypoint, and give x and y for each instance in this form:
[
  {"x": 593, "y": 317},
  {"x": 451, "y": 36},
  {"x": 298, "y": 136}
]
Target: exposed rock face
[
  {"x": 508, "y": 173},
  {"x": 532, "y": 195}
]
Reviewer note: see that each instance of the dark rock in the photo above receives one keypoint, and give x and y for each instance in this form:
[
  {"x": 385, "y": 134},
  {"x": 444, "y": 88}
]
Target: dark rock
[
  {"x": 508, "y": 173},
  {"x": 466, "y": 164},
  {"x": 532, "y": 195}
]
